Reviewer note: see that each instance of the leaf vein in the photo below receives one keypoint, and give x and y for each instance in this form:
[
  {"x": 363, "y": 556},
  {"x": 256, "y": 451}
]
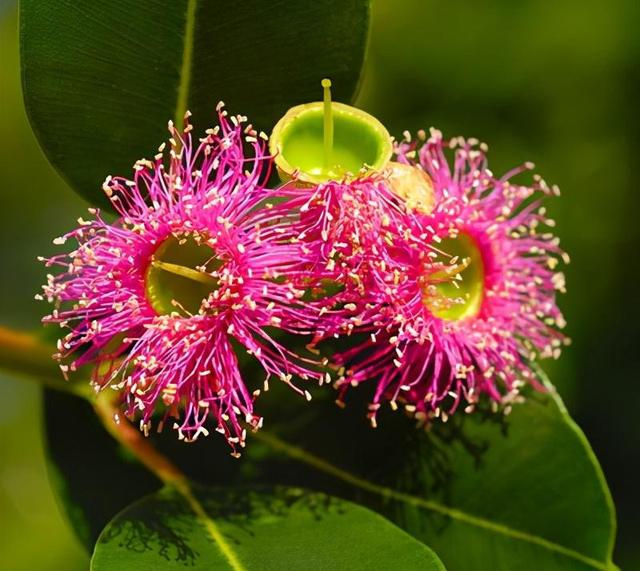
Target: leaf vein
[
  {"x": 185, "y": 67},
  {"x": 210, "y": 525},
  {"x": 389, "y": 493}
]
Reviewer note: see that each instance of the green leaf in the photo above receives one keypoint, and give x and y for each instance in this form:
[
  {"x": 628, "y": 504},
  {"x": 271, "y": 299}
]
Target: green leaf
[
  {"x": 485, "y": 491},
  {"x": 246, "y": 530},
  {"x": 101, "y": 79},
  {"x": 518, "y": 492}
]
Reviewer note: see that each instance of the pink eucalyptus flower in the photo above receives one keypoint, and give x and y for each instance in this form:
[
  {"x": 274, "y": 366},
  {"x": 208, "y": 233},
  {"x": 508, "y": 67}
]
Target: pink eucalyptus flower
[
  {"x": 349, "y": 231},
  {"x": 469, "y": 316},
  {"x": 194, "y": 267}
]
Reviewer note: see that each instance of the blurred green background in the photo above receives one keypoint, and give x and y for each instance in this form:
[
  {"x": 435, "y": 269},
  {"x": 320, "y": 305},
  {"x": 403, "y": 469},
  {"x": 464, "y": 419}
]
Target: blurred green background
[{"x": 552, "y": 82}]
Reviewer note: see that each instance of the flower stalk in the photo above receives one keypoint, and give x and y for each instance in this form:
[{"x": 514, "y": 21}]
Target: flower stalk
[
  {"x": 134, "y": 441},
  {"x": 23, "y": 354}
]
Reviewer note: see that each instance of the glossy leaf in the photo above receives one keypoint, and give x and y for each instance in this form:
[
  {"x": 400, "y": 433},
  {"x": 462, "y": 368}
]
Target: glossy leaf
[
  {"x": 518, "y": 492},
  {"x": 101, "y": 79},
  {"x": 243, "y": 530},
  {"x": 485, "y": 491}
]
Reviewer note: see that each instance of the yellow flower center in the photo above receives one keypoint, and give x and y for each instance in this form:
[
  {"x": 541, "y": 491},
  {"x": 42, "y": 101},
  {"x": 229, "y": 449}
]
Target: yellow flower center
[
  {"x": 179, "y": 278},
  {"x": 456, "y": 292}
]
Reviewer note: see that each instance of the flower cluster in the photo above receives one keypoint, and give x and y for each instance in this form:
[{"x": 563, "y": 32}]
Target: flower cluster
[{"x": 441, "y": 277}]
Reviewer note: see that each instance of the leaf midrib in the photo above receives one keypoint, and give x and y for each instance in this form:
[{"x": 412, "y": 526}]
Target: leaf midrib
[
  {"x": 323, "y": 465},
  {"x": 210, "y": 526},
  {"x": 185, "y": 67}
]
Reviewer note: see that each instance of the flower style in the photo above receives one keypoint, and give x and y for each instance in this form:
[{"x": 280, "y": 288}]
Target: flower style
[
  {"x": 194, "y": 265},
  {"x": 469, "y": 316}
]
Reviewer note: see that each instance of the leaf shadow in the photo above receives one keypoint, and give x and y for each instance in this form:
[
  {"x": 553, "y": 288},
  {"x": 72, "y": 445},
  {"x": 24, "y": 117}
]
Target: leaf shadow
[{"x": 165, "y": 524}]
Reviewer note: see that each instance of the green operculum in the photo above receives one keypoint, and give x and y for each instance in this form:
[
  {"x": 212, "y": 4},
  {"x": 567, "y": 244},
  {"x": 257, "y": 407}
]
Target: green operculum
[
  {"x": 179, "y": 276},
  {"x": 456, "y": 290}
]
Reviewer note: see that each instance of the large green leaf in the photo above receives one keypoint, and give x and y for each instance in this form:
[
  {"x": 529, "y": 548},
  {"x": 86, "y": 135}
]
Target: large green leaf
[
  {"x": 101, "y": 79},
  {"x": 245, "y": 530},
  {"x": 485, "y": 491}
]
